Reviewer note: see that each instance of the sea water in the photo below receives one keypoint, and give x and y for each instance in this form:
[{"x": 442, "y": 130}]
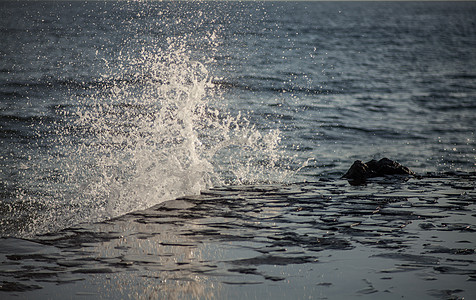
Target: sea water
[
  {"x": 111, "y": 107},
  {"x": 193, "y": 150}
]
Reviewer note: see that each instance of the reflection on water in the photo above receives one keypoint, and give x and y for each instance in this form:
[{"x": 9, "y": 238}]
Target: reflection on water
[
  {"x": 165, "y": 265},
  {"x": 326, "y": 238}
]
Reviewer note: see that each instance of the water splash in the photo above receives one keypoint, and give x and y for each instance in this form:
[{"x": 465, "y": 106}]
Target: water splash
[
  {"x": 154, "y": 130},
  {"x": 150, "y": 128},
  {"x": 163, "y": 134},
  {"x": 143, "y": 133}
]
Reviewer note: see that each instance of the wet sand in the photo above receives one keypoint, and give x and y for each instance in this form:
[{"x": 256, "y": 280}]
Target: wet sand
[{"x": 389, "y": 239}]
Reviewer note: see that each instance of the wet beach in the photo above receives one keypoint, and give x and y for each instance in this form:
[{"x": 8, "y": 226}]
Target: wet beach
[{"x": 391, "y": 238}]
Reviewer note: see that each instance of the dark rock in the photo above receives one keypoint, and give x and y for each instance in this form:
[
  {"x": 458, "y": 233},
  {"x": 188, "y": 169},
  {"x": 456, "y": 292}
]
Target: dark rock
[{"x": 359, "y": 172}]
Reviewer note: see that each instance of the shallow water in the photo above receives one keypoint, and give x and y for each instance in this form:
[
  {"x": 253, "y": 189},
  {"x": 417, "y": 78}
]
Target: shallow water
[{"x": 391, "y": 238}]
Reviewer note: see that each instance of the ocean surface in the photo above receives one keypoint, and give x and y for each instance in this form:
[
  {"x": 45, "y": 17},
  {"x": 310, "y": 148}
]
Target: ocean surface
[{"x": 108, "y": 108}]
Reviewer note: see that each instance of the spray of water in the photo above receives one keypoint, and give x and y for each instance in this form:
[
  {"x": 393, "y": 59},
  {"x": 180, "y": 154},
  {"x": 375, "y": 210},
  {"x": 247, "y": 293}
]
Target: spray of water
[
  {"x": 163, "y": 134},
  {"x": 143, "y": 143},
  {"x": 152, "y": 128}
]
